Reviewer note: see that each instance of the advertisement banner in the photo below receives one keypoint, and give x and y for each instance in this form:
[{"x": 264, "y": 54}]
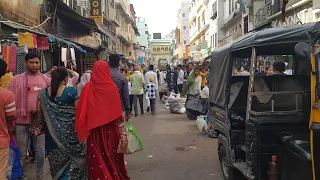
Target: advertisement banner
[
  {"x": 96, "y": 11},
  {"x": 88, "y": 60},
  {"x": 140, "y": 60}
]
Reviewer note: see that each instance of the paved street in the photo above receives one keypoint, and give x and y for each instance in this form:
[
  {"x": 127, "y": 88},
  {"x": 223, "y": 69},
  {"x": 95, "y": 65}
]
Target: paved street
[{"x": 174, "y": 150}]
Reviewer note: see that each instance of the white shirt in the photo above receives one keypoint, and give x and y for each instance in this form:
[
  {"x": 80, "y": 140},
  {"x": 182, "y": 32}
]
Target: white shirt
[
  {"x": 73, "y": 81},
  {"x": 147, "y": 76},
  {"x": 205, "y": 92},
  {"x": 180, "y": 77}
]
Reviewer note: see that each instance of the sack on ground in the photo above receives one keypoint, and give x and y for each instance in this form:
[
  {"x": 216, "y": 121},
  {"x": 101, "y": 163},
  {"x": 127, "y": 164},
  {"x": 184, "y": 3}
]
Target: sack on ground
[
  {"x": 176, "y": 104},
  {"x": 134, "y": 142},
  {"x": 201, "y": 124},
  {"x": 14, "y": 164}
]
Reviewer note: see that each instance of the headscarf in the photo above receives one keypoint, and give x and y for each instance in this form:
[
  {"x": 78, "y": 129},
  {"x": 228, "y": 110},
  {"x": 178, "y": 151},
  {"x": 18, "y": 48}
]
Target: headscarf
[
  {"x": 5, "y": 80},
  {"x": 85, "y": 78},
  {"x": 99, "y": 103}
]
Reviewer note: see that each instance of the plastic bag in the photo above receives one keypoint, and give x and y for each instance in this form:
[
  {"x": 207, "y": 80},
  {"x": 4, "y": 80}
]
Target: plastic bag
[
  {"x": 201, "y": 124},
  {"x": 134, "y": 142},
  {"x": 182, "y": 110},
  {"x": 14, "y": 164}
]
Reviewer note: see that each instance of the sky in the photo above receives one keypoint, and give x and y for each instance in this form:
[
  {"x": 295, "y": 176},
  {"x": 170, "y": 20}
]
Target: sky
[{"x": 160, "y": 15}]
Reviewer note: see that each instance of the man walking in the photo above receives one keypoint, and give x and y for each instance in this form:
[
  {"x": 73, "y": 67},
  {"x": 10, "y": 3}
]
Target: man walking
[
  {"x": 122, "y": 83},
  {"x": 152, "y": 74},
  {"x": 7, "y": 114},
  {"x": 137, "y": 82},
  {"x": 180, "y": 78},
  {"x": 25, "y": 88}
]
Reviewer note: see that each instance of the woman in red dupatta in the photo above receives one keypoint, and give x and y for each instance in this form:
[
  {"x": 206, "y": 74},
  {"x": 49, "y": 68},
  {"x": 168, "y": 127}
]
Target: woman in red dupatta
[{"x": 99, "y": 121}]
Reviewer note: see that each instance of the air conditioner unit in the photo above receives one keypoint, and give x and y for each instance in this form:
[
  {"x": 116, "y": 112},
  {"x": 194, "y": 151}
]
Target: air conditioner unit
[{"x": 83, "y": 3}]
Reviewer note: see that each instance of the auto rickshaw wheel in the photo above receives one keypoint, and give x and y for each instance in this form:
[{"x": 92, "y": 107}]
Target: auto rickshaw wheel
[{"x": 227, "y": 170}]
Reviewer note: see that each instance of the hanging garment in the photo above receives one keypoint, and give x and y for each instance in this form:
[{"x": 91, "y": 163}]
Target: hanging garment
[
  {"x": 29, "y": 39},
  {"x": 73, "y": 57},
  {"x": 43, "y": 62},
  {"x": 12, "y": 65},
  {"x": 6, "y": 54},
  {"x": 21, "y": 53},
  {"x": 43, "y": 43},
  {"x": 64, "y": 56}
]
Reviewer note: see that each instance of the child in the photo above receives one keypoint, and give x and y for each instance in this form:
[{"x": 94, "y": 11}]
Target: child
[{"x": 152, "y": 94}]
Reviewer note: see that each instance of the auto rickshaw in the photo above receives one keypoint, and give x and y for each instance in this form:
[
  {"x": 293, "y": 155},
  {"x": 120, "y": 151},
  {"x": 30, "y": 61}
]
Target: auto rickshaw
[{"x": 268, "y": 124}]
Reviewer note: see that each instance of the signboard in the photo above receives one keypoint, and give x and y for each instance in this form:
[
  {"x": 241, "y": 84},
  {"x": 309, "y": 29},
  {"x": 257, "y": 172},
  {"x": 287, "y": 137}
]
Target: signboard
[
  {"x": 96, "y": 11},
  {"x": 193, "y": 47},
  {"x": 88, "y": 60},
  {"x": 204, "y": 53},
  {"x": 204, "y": 45}
]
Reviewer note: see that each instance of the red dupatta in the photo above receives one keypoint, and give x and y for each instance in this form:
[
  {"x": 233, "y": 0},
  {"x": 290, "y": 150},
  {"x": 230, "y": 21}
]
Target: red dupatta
[{"x": 99, "y": 101}]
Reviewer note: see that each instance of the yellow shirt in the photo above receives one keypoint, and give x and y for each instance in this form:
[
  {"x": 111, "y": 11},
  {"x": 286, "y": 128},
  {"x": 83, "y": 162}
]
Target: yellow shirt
[
  {"x": 203, "y": 79},
  {"x": 5, "y": 80},
  {"x": 26, "y": 38}
]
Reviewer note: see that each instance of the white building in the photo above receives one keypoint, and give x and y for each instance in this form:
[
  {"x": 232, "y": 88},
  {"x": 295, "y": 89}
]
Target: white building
[
  {"x": 229, "y": 21},
  {"x": 199, "y": 23},
  {"x": 213, "y": 29}
]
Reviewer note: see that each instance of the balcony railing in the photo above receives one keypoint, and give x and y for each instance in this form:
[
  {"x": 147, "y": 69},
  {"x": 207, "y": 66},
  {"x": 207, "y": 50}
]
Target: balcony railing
[{"x": 262, "y": 14}]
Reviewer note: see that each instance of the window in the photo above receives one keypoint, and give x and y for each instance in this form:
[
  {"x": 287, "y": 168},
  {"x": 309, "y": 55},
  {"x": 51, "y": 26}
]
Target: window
[
  {"x": 146, "y": 32},
  {"x": 184, "y": 27},
  {"x": 211, "y": 42},
  {"x": 199, "y": 24},
  {"x": 184, "y": 42},
  {"x": 216, "y": 39},
  {"x": 246, "y": 24},
  {"x": 183, "y": 14},
  {"x": 145, "y": 25},
  {"x": 203, "y": 16},
  {"x": 230, "y": 6},
  {"x": 130, "y": 53}
]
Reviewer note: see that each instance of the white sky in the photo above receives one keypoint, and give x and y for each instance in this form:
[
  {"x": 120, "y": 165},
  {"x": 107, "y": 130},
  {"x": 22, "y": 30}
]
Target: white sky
[{"x": 161, "y": 15}]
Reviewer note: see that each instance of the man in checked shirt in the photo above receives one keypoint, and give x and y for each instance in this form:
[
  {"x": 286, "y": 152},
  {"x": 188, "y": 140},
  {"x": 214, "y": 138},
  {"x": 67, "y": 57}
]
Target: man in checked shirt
[
  {"x": 122, "y": 83},
  {"x": 151, "y": 91}
]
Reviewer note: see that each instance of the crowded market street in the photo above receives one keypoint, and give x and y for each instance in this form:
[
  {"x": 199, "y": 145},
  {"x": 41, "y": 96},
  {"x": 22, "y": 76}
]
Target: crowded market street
[{"x": 174, "y": 150}]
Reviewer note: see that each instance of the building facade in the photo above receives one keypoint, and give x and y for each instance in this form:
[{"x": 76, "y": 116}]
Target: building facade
[
  {"x": 161, "y": 54},
  {"x": 143, "y": 40},
  {"x": 199, "y": 23}
]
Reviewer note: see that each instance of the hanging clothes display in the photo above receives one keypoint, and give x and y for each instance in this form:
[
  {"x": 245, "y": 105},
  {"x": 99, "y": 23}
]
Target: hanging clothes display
[
  {"x": 43, "y": 63},
  {"x": 73, "y": 57},
  {"x": 29, "y": 39},
  {"x": 43, "y": 43},
  {"x": 12, "y": 65},
  {"x": 5, "y": 53},
  {"x": 64, "y": 56},
  {"x": 21, "y": 53}
]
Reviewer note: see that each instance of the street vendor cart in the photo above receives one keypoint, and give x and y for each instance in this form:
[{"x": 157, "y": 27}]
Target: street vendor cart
[{"x": 268, "y": 125}]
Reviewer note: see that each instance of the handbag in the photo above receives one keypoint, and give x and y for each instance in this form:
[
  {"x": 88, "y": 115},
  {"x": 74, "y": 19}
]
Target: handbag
[
  {"x": 37, "y": 123},
  {"x": 134, "y": 142},
  {"x": 194, "y": 103},
  {"x": 14, "y": 163}
]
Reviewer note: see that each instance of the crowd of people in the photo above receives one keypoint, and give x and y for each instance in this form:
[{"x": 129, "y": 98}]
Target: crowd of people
[{"x": 83, "y": 123}]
